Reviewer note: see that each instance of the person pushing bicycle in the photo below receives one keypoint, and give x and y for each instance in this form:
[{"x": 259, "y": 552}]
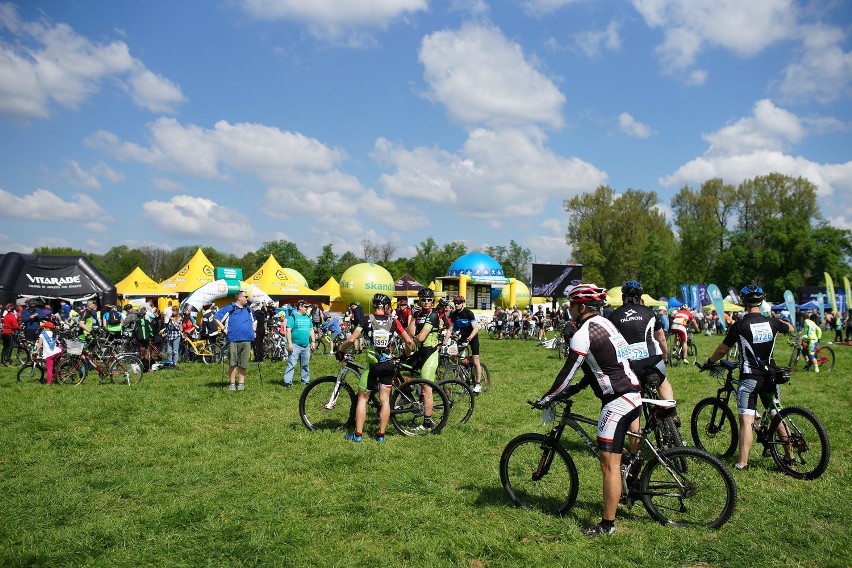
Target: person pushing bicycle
[
  {"x": 755, "y": 334},
  {"x": 811, "y": 333},
  {"x": 602, "y": 354}
]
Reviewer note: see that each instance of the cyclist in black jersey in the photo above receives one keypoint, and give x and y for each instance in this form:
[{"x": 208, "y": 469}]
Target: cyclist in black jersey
[
  {"x": 602, "y": 354},
  {"x": 464, "y": 321},
  {"x": 647, "y": 340},
  {"x": 755, "y": 334}
]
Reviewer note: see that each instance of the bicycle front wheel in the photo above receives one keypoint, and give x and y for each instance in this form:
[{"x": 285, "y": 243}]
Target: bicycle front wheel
[
  {"x": 126, "y": 370},
  {"x": 799, "y": 443},
  {"x": 409, "y": 402},
  {"x": 702, "y": 494},
  {"x": 460, "y": 397},
  {"x": 20, "y": 354},
  {"x": 824, "y": 358},
  {"x": 72, "y": 371},
  {"x": 485, "y": 377},
  {"x": 714, "y": 428},
  {"x": 538, "y": 474},
  {"x": 31, "y": 373},
  {"x": 324, "y": 405}
]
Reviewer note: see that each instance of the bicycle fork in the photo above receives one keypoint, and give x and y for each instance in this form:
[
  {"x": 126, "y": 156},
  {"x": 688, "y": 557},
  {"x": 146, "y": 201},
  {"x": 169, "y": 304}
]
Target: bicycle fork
[{"x": 332, "y": 402}]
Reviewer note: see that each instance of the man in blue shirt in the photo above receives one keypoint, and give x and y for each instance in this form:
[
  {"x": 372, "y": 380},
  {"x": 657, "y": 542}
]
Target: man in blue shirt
[
  {"x": 31, "y": 318},
  {"x": 240, "y": 329}
]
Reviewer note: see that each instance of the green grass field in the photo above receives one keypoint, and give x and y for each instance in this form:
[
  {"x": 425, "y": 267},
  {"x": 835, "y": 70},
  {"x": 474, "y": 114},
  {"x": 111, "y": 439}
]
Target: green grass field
[{"x": 176, "y": 471}]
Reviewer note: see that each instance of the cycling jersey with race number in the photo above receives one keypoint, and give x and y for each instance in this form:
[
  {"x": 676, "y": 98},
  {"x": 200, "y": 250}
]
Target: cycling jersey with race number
[
  {"x": 755, "y": 334},
  {"x": 603, "y": 355},
  {"x": 638, "y": 324}
]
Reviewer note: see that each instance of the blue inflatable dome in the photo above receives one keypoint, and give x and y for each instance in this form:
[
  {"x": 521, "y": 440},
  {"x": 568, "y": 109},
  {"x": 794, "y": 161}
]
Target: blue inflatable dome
[{"x": 476, "y": 264}]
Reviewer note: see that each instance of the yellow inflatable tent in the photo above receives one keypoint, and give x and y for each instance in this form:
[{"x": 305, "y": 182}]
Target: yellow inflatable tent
[
  {"x": 197, "y": 272},
  {"x": 137, "y": 283},
  {"x": 283, "y": 283}
]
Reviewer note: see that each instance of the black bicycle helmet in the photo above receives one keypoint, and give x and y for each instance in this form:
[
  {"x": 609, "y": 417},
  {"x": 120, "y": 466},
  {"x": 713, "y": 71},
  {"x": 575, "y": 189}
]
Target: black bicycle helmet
[
  {"x": 632, "y": 289},
  {"x": 382, "y": 300},
  {"x": 426, "y": 294},
  {"x": 752, "y": 295}
]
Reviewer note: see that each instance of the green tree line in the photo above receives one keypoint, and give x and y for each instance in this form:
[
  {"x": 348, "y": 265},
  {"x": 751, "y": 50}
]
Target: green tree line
[{"x": 768, "y": 230}]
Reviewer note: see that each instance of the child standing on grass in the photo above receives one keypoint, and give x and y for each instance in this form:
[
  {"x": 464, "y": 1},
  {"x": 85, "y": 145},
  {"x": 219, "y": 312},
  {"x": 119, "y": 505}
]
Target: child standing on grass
[{"x": 48, "y": 348}]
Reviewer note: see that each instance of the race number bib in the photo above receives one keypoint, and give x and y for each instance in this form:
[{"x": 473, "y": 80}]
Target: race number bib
[
  {"x": 639, "y": 351},
  {"x": 622, "y": 348},
  {"x": 381, "y": 337},
  {"x": 761, "y": 332}
]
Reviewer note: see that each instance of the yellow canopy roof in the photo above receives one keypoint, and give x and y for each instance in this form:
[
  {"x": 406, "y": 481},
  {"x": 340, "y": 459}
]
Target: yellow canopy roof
[
  {"x": 331, "y": 288},
  {"x": 279, "y": 282},
  {"x": 614, "y": 299},
  {"x": 197, "y": 272},
  {"x": 137, "y": 283},
  {"x": 729, "y": 307}
]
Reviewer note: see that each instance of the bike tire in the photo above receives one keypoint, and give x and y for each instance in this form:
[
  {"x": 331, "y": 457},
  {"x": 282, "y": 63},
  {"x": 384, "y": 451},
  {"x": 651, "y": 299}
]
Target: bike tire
[
  {"x": 315, "y": 400},
  {"x": 72, "y": 371},
  {"x": 492, "y": 331},
  {"x": 460, "y": 397},
  {"x": 692, "y": 352},
  {"x": 539, "y": 475},
  {"x": 126, "y": 370},
  {"x": 31, "y": 373},
  {"x": 805, "y": 431},
  {"x": 714, "y": 428},
  {"x": 485, "y": 378},
  {"x": 825, "y": 358},
  {"x": 21, "y": 354},
  {"x": 408, "y": 405},
  {"x": 323, "y": 345},
  {"x": 703, "y": 494},
  {"x": 676, "y": 353},
  {"x": 559, "y": 347}
]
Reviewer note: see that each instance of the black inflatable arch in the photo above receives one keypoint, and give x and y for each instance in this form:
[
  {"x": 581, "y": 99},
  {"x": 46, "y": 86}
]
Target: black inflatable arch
[{"x": 67, "y": 277}]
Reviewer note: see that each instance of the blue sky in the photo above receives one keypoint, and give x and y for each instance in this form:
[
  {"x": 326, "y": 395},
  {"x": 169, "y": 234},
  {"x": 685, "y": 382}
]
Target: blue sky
[{"x": 230, "y": 123}]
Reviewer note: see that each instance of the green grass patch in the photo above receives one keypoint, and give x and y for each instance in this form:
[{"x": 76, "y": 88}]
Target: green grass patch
[{"x": 178, "y": 471}]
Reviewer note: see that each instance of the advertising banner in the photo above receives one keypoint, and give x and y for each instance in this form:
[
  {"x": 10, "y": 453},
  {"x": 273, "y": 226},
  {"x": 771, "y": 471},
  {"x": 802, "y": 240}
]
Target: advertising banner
[
  {"x": 718, "y": 303},
  {"x": 791, "y": 306},
  {"x": 61, "y": 282},
  {"x": 829, "y": 288}
]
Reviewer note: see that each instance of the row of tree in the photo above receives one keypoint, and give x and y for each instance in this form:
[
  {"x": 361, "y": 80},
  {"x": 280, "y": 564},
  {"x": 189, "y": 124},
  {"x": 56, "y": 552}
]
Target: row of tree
[{"x": 768, "y": 231}]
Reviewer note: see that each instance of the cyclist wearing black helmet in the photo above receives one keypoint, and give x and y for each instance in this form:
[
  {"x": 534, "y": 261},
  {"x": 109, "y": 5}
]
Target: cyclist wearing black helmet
[
  {"x": 600, "y": 352},
  {"x": 380, "y": 326},
  {"x": 464, "y": 320},
  {"x": 755, "y": 334},
  {"x": 643, "y": 332}
]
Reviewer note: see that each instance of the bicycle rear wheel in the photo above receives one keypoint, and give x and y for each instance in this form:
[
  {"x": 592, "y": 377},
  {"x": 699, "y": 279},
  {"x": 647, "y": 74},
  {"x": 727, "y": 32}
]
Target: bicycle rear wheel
[
  {"x": 703, "y": 494},
  {"x": 692, "y": 352},
  {"x": 824, "y": 357},
  {"x": 539, "y": 475},
  {"x": 676, "y": 352},
  {"x": 324, "y": 406},
  {"x": 460, "y": 397},
  {"x": 408, "y": 402},
  {"x": 126, "y": 370},
  {"x": 804, "y": 438},
  {"x": 714, "y": 428},
  {"x": 31, "y": 373},
  {"x": 485, "y": 377}
]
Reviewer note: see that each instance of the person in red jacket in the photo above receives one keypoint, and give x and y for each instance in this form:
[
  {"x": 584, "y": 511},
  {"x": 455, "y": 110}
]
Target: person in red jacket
[{"x": 10, "y": 326}]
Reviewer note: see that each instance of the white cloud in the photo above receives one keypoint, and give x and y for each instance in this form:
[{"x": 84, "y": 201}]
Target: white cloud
[
  {"x": 51, "y": 62},
  {"x": 822, "y": 71},
  {"x": 743, "y": 27},
  {"x": 757, "y": 145},
  {"x": 334, "y": 20},
  {"x": 274, "y": 156},
  {"x": 541, "y": 7},
  {"x": 44, "y": 205},
  {"x": 90, "y": 179},
  {"x": 632, "y": 127},
  {"x": 496, "y": 174},
  {"x": 187, "y": 216},
  {"x": 483, "y": 78},
  {"x": 593, "y": 43}
]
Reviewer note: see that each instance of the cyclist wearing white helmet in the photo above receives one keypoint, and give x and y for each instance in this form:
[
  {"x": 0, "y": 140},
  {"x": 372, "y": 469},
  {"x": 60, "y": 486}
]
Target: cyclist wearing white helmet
[{"x": 602, "y": 354}]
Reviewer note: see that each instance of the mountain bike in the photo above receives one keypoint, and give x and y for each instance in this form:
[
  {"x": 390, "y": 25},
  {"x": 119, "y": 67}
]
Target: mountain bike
[
  {"x": 194, "y": 349},
  {"x": 329, "y": 402},
  {"x": 823, "y": 354},
  {"x": 793, "y": 436},
  {"x": 456, "y": 363},
  {"x": 664, "y": 425},
  {"x": 21, "y": 348},
  {"x": 683, "y": 487},
  {"x": 676, "y": 349},
  {"x": 327, "y": 344},
  {"x": 32, "y": 371}
]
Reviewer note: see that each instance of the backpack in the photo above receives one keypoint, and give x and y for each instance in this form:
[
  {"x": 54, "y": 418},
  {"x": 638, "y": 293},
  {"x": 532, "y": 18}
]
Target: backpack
[{"x": 113, "y": 318}]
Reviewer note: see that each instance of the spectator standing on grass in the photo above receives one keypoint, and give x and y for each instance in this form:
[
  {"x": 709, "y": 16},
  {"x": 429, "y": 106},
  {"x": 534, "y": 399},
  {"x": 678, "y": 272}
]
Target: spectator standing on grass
[
  {"x": 173, "y": 334},
  {"x": 260, "y": 331},
  {"x": 463, "y": 320},
  {"x": 838, "y": 328},
  {"x": 10, "y": 326},
  {"x": 301, "y": 341},
  {"x": 241, "y": 330},
  {"x": 31, "y": 318},
  {"x": 849, "y": 324}
]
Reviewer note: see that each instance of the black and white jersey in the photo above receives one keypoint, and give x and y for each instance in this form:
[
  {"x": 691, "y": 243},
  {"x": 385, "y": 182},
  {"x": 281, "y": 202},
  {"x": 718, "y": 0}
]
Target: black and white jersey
[
  {"x": 756, "y": 335},
  {"x": 603, "y": 355},
  {"x": 638, "y": 324}
]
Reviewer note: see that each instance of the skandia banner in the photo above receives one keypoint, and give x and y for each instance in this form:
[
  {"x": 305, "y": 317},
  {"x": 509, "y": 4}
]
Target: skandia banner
[
  {"x": 684, "y": 293},
  {"x": 791, "y": 306},
  {"x": 821, "y": 302},
  {"x": 54, "y": 282},
  {"x": 848, "y": 298},
  {"x": 703, "y": 296},
  {"x": 694, "y": 300},
  {"x": 718, "y": 303}
]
